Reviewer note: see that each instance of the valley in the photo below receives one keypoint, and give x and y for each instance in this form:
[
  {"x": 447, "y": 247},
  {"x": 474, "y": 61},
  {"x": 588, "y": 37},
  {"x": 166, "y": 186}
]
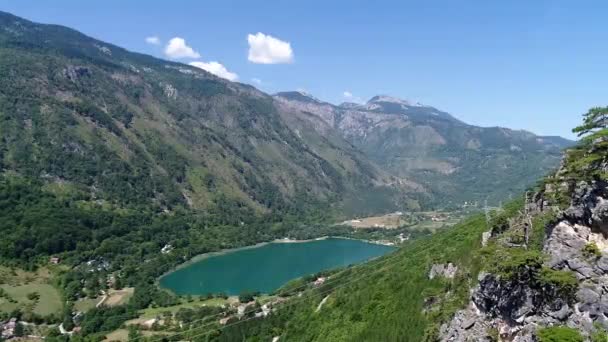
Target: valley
[{"x": 146, "y": 199}]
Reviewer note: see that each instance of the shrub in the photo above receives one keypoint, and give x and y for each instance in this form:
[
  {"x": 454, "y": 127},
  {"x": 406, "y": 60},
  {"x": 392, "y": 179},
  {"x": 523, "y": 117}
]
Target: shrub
[
  {"x": 559, "y": 283},
  {"x": 33, "y": 296},
  {"x": 592, "y": 251},
  {"x": 559, "y": 334},
  {"x": 493, "y": 334},
  {"x": 515, "y": 263},
  {"x": 537, "y": 233}
]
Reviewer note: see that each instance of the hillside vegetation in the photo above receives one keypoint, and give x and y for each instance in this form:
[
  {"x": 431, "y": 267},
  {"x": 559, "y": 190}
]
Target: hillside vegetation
[
  {"x": 113, "y": 126},
  {"x": 454, "y": 161},
  {"x": 539, "y": 276}
]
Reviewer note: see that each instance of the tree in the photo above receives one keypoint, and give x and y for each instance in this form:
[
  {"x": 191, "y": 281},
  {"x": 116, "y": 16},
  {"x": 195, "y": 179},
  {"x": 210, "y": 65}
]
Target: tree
[
  {"x": 134, "y": 334},
  {"x": 246, "y": 297},
  {"x": 595, "y": 119},
  {"x": 19, "y": 331}
]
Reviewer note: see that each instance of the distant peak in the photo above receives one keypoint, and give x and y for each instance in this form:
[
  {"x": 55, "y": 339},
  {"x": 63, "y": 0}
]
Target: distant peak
[
  {"x": 395, "y": 100},
  {"x": 349, "y": 105},
  {"x": 298, "y": 95}
]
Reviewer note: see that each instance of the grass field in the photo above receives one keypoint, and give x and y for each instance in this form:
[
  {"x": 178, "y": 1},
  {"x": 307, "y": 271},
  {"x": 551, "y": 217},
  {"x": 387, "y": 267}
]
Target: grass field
[
  {"x": 114, "y": 298},
  {"x": 153, "y": 312},
  {"x": 150, "y": 313},
  {"x": 84, "y": 305},
  {"x": 18, "y": 284},
  {"x": 432, "y": 220},
  {"x": 119, "y": 297},
  {"x": 123, "y": 335}
]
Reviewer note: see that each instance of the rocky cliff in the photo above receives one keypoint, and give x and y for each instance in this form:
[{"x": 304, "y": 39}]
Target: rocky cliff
[{"x": 559, "y": 286}]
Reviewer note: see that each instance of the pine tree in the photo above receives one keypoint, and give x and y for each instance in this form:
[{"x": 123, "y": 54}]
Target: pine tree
[{"x": 595, "y": 119}]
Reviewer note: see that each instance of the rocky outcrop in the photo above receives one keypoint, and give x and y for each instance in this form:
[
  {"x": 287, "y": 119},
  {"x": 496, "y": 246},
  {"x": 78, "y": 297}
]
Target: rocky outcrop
[
  {"x": 590, "y": 206},
  {"x": 443, "y": 270},
  {"x": 515, "y": 309}
]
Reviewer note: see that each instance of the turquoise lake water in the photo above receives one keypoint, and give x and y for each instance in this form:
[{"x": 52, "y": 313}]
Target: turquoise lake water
[{"x": 267, "y": 267}]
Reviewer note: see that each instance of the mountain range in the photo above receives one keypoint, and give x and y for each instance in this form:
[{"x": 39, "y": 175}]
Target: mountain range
[
  {"x": 127, "y": 128},
  {"x": 92, "y": 118},
  {"x": 117, "y": 167},
  {"x": 453, "y": 161}
]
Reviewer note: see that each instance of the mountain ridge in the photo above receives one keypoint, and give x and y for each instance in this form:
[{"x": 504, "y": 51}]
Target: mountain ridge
[
  {"x": 184, "y": 136},
  {"x": 436, "y": 150}
]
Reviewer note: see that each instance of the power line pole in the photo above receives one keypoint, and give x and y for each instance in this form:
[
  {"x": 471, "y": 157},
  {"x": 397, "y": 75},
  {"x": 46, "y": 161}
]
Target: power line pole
[
  {"x": 487, "y": 211},
  {"x": 528, "y": 220}
]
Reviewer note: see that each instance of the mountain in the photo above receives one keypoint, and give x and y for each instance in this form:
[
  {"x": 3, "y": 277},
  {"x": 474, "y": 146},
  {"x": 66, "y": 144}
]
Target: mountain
[
  {"x": 128, "y": 129},
  {"x": 533, "y": 270},
  {"x": 454, "y": 161}
]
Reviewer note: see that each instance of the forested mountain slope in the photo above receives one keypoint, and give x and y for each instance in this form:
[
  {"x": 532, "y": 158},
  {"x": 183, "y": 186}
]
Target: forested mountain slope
[
  {"x": 455, "y": 161},
  {"x": 534, "y": 270},
  {"x": 119, "y": 127}
]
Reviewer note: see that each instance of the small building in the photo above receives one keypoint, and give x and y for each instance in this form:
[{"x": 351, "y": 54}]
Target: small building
[
  {"x": 8, "y": 330},
  {"x": 166, "y": 249},
  {"x": 54, "y": 260},
  {"x": 319, "y": 281}
]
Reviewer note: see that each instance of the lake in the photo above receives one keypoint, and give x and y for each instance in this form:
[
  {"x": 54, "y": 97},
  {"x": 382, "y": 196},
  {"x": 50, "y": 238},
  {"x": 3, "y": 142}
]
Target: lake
[{"x": 267, "y": 267}]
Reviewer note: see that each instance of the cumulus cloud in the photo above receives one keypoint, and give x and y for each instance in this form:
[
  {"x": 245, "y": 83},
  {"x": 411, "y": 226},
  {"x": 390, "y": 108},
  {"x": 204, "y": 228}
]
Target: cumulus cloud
[
  {"x": 154, "y": 40},
  {"x": 349, "y": 97},
  {"x": 177, "y": 48},
  {"x": 216, "y": 68},
  {"x": 266, "y": 49}
]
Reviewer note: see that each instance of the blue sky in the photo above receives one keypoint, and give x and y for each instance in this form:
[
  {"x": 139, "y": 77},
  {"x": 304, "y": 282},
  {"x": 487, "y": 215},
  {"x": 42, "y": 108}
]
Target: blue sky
[{"x": 534, "y": 65}]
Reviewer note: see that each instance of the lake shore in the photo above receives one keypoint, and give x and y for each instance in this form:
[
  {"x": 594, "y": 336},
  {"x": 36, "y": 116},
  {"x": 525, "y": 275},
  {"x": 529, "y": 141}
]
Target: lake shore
[
  {"x": 204, "y": 256},
  {"x": 285, "y": 240},
  {"x": 288, "y": 240},
  {"x": 235, "y": 270}
]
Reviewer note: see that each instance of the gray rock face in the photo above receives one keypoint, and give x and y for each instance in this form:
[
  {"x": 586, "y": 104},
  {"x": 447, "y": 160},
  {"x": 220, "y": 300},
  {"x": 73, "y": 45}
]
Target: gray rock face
[
  {"x": 443, "y": 270},
  {"x": 485, "y": 237},
  {"x": 589, "y": 206},
  {"x": 516, "y": 309}
]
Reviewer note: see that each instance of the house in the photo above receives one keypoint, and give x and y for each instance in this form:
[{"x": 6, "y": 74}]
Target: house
[
  {"x": 8, "y": 329},
  {"x": 55, "y": 260},
  {"x": 166, "y": 249},
  {"x": 319, "y": 281}
]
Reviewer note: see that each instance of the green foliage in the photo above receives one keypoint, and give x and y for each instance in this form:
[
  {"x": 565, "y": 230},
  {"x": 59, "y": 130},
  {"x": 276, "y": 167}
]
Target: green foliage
[
  {"x": 513, "y": 263},
  {"x": 521, "y": 265},
  {"x": 558, "y": 283},
  {"x": 248, "y": 296},
  {"x": 385, "y": 303},
  {"x": 538, "y": 230},
  {"x": 595, "y": 119},
  {"x": 592, "y": 251},
  {"x": 33, "y": 296},
  {"x": 600, "y": 334},
  {"x": 19, "y": 330},
  {"x": 559, "y": 334}
]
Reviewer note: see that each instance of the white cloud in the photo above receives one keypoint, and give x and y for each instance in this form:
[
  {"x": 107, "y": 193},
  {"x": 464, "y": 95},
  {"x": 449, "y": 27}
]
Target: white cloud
[
  {"x": 256, "y": 81},
  {"x": 266, "y": 49},
  {"x": 154, "y": 40},
  {"x": 177, "y": 48},
  {"x": 349, "y": 97},
  {"x": 217, "y": 69}
]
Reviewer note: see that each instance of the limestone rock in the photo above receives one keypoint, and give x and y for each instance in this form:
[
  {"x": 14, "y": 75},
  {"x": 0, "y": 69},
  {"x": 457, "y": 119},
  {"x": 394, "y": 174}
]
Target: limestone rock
[{"x": 443, "y": 270}]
